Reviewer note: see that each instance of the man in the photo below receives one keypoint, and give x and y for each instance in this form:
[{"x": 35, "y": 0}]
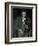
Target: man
[{"x": 22, "y": 25}]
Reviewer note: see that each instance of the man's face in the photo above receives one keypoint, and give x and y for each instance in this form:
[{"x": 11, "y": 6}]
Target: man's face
[{"x": 23, "y": 14}]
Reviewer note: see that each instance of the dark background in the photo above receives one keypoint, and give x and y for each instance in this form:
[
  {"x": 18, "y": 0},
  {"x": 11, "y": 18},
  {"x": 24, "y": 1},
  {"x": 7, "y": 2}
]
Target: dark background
[{"x": 16, "y": 12}]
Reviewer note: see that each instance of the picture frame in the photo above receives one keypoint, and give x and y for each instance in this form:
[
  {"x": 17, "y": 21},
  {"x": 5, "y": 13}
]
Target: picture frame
[{"x": 12, "y": 11}]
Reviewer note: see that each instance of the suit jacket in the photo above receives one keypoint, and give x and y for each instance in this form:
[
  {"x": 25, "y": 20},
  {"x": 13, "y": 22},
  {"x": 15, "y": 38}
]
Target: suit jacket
[{"x": 24, "y": 27}]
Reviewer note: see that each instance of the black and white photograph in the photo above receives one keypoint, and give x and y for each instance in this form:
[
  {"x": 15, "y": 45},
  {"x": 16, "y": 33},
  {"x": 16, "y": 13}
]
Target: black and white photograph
[{"x": 21, "y": 22}]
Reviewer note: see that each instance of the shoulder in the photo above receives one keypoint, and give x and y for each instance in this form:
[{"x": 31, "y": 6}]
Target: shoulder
[{"x": 18, "y": 17}]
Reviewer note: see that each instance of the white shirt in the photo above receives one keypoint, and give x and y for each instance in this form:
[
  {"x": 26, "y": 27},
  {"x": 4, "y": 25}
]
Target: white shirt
[{"x": 23, "y": 18}]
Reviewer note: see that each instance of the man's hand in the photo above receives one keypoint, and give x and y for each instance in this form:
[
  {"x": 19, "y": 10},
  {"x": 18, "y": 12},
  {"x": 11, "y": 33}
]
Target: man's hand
[{"x": 20, "y": 32}]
